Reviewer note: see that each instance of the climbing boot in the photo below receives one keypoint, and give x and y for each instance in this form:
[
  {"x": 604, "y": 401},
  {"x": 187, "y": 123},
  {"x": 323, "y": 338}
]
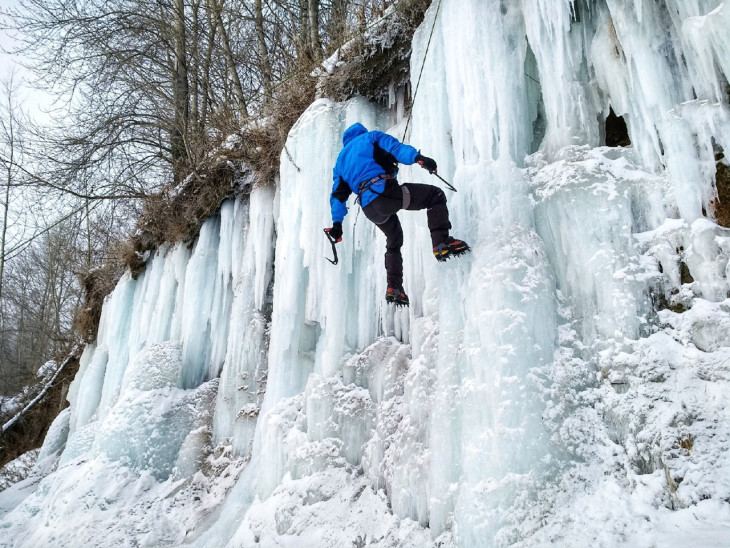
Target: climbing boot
[
  {"x": 397, "y": 295},
  {"x": 450, "y": 248}
]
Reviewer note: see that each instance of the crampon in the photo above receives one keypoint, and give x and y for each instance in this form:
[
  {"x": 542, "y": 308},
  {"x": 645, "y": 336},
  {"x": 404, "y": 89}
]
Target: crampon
[
  {"x": 450, "y": 248},
  {"x": 397, "y": 296}
]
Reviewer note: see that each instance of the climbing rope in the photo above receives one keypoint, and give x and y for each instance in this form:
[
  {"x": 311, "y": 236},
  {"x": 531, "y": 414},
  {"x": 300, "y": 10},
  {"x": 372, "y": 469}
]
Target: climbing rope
[
  {"x": 425, "y": 56},
  {"x": 418, "y": 84}
]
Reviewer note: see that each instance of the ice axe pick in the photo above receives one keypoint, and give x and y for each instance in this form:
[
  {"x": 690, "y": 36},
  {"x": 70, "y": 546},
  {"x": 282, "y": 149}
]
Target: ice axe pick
[{"x": 448, "y": 184}]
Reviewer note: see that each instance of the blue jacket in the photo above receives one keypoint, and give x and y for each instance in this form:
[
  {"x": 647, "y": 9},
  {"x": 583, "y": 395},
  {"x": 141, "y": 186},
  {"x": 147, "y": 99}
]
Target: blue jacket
[{"x": 365, "y": 154}]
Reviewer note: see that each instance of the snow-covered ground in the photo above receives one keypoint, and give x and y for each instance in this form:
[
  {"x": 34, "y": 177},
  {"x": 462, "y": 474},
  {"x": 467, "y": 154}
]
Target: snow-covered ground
[
  {"x": 18, "y": 469},
  {"x": 566, "y": 383}
]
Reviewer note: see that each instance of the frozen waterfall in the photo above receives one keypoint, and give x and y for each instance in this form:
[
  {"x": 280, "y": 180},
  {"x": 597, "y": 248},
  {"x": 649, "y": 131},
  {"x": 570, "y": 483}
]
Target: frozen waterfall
[{"x": 567, "y": 382}]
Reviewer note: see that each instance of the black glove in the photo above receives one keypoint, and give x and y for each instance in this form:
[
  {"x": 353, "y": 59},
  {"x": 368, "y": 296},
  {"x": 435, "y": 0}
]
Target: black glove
[
  {"x": 335, "y": 232},
  {"x": 426, "y": 163}
]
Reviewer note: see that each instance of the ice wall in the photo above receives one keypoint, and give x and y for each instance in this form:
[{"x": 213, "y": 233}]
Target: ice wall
[
  {"x": 484, "y": 427},
  {"x": 168, "y": 331},
  {"x": 566, "y": 382}
]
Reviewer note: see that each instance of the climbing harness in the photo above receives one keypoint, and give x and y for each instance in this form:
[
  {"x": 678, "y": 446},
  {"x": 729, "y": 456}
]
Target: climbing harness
[
  {"x": 367, "y": 185},
  {"x": 362, "y": 187}
]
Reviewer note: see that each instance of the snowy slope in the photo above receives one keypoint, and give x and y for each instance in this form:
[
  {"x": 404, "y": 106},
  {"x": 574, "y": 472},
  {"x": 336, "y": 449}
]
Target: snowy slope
[{"x": 566, "y": 383}]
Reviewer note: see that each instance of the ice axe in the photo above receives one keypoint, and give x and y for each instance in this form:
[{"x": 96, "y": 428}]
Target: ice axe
[
  {"x": 429, "y": 165},
  {"x": 333, "y": 243},
  {"x": 448, "y": 184}
]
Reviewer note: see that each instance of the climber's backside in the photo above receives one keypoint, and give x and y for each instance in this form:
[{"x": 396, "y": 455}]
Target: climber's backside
[{"x": 367, "y": 166}]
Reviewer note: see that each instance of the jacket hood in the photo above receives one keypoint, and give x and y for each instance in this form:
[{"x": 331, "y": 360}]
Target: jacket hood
[{"x": 353, "y": 131}]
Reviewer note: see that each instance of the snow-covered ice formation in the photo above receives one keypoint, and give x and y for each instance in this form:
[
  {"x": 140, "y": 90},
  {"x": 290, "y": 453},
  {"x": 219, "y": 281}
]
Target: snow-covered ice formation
[{"x": 568, "y": 382}]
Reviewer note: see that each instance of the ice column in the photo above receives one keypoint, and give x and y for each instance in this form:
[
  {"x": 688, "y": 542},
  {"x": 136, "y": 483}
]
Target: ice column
[
  {"x": 496, "y": 308},
  {"x": 320, "y": 310},
  {"x": 556, "y": 33},
  {"x": 243, "y": 377},
  {"x": 172, "y": 324}
]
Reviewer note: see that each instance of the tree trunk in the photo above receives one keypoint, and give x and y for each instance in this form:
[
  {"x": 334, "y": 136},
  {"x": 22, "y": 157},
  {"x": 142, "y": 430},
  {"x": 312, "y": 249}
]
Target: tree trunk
[
  {"x": 314, "y": 41},
  {"x": 303, "y": 38},
  {"x": 205, "y": 84},
  {"x": 228, "y": 52},
  {"x": 10, "y": 135},
  {"x": 180, "y": 92},
  {"x": 263, "y": 52},
  {"x": 6, "y": 207},
  {"x": 338, "y": 23},
  {"x": 195, "y": 68}
]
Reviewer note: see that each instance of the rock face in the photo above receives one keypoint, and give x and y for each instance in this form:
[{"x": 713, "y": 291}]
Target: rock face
[{"x": 566, "y": 382}]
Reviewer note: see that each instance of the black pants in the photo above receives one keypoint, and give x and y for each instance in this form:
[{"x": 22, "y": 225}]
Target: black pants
[{"x": 383, "y": 209}]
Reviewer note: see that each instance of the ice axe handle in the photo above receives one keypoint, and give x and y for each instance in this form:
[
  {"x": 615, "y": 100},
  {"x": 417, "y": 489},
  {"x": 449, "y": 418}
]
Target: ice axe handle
[{"x": 448, "y": 184}]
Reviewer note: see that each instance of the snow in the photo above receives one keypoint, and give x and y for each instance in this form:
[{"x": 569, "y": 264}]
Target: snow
[
  {"x": 17, "y": 469},
  {"x": 566, "y": 383}
]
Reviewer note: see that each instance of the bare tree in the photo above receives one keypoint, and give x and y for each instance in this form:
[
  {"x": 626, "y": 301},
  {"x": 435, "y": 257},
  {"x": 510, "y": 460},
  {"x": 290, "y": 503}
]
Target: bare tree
[
  {"x": 315, "y": 43},
  {"x": 337, "y": 26},
  {"x": 40, "y": 298},
  {"x": 180, "y": 89},
  {"x": 263, "y": 52},
  {"x": 10, "y": 158},
  {"x": 217, "y": 6},
  {"x": 122, "y": 69}
]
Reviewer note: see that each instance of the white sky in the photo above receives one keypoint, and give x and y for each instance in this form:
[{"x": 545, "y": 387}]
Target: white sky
[
  {"x": 34, "y": 101},
  {"x": 25, "y": 220}
]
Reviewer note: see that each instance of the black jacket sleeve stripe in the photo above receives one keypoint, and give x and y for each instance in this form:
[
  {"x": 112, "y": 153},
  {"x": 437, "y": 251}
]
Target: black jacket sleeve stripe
[{"x": 342, "y": 192}]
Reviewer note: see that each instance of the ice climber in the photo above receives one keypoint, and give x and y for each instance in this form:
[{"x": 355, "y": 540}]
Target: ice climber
[{"x": 368, "y": 165}]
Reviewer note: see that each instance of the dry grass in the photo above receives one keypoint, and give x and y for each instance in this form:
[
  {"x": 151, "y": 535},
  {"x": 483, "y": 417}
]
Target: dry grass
[
  {"x": 687, "y": 442},
  {"x": 97, "y": 284},
  {"x": 264, "y": 145},
  {"x": 177, "y": 214}
]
